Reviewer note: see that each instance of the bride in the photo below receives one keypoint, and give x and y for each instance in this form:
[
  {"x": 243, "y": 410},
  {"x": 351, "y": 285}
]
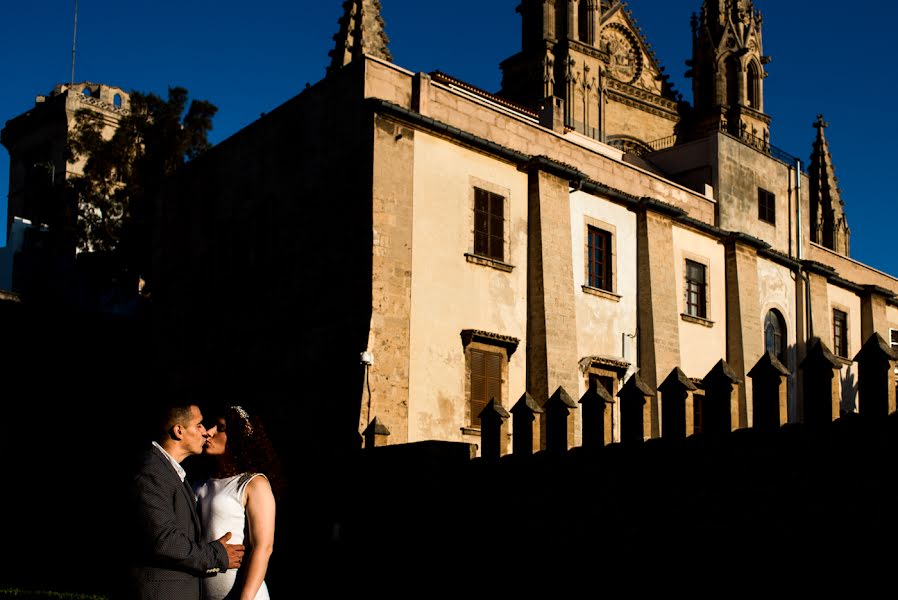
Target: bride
[{"x": 238, "y": 497}]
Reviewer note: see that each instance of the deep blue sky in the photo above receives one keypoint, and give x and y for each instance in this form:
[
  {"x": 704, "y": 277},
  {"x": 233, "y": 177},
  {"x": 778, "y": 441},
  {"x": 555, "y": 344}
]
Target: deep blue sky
[{"x": 249, "y": 57}]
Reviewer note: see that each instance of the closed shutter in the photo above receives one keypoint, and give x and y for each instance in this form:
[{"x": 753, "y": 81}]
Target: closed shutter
[{"x": 486, "y": 382}]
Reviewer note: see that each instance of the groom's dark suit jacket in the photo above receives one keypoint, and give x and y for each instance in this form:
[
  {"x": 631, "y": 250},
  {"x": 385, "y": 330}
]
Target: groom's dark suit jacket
[{"x": 170, "y": 559}]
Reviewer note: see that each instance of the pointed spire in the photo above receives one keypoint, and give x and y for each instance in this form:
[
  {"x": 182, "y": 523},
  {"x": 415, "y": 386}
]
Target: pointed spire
[
  {"x": 361, "y": 32},
  {"x": 830, "y": 225}
]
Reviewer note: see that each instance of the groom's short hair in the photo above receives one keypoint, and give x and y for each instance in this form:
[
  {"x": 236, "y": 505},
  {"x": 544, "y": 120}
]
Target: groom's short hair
[{"x": 171, "y": 413}]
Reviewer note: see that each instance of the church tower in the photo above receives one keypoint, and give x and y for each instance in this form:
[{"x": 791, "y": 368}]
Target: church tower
[
  {"x": 361, "y": 33},
  {"x": 728, "y": 71},
  {"x": 591, "y": 55},
  {"x": 829, "y": 225}
]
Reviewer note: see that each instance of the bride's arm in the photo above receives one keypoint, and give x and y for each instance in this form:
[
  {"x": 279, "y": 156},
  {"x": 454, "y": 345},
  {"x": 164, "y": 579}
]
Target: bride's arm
[{"x": 260, "y": 518}]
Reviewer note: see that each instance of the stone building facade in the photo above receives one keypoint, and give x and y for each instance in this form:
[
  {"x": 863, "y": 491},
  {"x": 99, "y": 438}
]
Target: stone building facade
[{"x": 581, "y": 225}]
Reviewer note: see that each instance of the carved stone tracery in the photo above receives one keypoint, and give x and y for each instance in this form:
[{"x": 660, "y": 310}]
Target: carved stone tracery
[{"x": 625, "y": 54}]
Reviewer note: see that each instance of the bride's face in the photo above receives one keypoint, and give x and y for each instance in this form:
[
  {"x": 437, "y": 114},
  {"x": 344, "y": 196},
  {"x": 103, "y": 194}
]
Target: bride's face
[{"x": 218, "y": 439}]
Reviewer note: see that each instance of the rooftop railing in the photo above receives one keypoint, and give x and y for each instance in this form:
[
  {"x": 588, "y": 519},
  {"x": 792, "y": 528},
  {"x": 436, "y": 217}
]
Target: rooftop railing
[{"x": 749, "y": 139}]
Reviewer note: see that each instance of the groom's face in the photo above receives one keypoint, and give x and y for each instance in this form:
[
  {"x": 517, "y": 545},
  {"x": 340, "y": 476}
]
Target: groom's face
[{"x": 193, "y": 432}]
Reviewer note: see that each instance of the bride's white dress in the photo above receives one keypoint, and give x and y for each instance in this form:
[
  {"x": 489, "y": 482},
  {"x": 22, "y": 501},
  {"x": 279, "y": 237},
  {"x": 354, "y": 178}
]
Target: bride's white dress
[{"x": 220, "y": 504}]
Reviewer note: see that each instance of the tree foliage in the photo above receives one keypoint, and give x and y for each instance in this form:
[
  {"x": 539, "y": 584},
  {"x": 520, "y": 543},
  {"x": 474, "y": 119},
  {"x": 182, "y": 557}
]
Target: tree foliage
[{"x": 123, "y": 173}]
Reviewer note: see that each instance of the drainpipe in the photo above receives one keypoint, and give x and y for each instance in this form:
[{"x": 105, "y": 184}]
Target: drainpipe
[
  {"x": 789, "y": 195},
  {"x": 799, "y": 276},
  {"x": 798, "y": 204},
  {"x": 800, "y": 254}
]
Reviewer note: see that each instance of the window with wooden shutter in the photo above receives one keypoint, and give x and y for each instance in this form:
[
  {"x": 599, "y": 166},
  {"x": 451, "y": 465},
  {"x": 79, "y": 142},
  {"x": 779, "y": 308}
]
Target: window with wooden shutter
[
  {"x": 840, "y": 333},
  {"x": 695, "y": 289},
  {"x": 486, "y": 382},
  {"x": 489, "y": 224},
  {"x": 766, "y": 206},
  {"x": 698, "y": 398},
  {"x": 599, "y": 243}
]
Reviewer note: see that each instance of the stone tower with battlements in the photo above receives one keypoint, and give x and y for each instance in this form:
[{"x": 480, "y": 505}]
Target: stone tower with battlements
[{"x": 37, "y": 141}]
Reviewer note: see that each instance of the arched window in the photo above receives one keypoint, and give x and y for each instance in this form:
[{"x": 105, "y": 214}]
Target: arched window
[
  {"x": 86, "y": 92},
  {"x": 583, "y": 14},
  {"x": 775, "y": 335},
  {"x": 732, "y": 81},
  {"x": 754, "y": 87},
  {"x": 117, "y": 100}
]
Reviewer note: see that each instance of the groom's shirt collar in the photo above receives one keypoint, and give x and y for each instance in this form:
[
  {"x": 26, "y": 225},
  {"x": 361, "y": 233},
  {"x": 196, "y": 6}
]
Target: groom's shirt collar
[{"x": 178, "y": 468}]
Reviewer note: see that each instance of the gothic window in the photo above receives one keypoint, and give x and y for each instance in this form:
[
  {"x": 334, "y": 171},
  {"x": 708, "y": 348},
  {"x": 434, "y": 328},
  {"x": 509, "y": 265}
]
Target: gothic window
[
  {"x": 117, "y": 100},
  {"x": 840, "y": 333},
  {"x": 732, "y": 82},
  {"x": 586, "y": 34},
  {"x": 775, "y": 335},
  {"x": 766, "y": 206},
  {"x": 600, "y": 259},
  {"x": 696, "y": 282},
  {"x": 754, "y": 87},
  {"x": 489, "y": 224}
]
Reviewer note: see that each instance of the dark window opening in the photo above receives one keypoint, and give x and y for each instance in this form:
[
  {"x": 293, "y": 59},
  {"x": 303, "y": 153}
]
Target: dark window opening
[
  {"x": 775, "y": 335},
  {"x": 732, "y": 82},
  {"x": 583, "y": 14},
  {"x": 604, "y": 381},
  {"x": 840, "y": 333},
  {"x": 754, "y": 87},
  {"x": 697, "y": 399},
  {"x": 600, "y": 259},
  {"x": 695, "y": 290},
  {"x": 766, "y": 206}
]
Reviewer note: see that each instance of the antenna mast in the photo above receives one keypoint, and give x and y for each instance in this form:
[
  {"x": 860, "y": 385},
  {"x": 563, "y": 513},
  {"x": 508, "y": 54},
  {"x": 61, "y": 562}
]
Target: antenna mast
[{"x": 74, "y": 39}]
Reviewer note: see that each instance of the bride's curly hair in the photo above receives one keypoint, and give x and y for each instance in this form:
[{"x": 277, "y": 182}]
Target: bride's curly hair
[{"x": 249, "y": 449}]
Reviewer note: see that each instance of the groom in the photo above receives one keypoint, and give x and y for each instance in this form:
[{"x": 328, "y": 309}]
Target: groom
[{"x": 170, "y": 560}]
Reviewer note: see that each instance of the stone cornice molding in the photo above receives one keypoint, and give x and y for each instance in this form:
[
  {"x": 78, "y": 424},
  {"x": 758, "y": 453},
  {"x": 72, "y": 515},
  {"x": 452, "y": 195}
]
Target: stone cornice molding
[
  {"x": 643, "y": 100},
  {"x": 615, "y": 364},
  {"x": 510, "y": 344}
]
